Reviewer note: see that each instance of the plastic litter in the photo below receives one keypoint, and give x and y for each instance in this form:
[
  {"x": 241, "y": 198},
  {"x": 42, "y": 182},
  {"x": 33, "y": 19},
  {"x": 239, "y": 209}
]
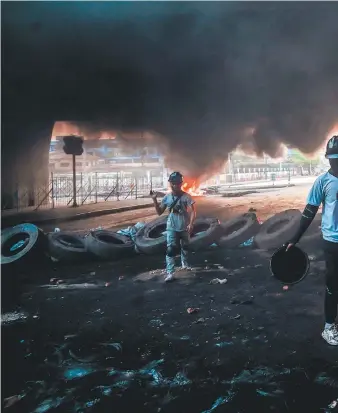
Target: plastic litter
[
  {"x": 247, "y": 243},
  {"x": 191, "y": 310},
  {"x": 224, "y": 344},
  {"x": 132, "y": 230},
  {"x": 285, "y": 287},
  {"x": 77, "y": 372},
  {"x": 218, "y": 281},
  {"x": 57, "y": 229},
  {"x": 334, "y": 404}
]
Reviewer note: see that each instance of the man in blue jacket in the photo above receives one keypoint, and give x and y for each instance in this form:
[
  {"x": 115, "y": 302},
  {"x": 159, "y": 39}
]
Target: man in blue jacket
[
  {"x": 180, "y": 222},
  {"x": 325, "y": 191}
]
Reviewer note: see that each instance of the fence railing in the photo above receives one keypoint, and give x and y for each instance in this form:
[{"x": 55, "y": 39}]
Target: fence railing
[
  {"x": 96, "y": 187},
  {"x": 90, "y": 188}
]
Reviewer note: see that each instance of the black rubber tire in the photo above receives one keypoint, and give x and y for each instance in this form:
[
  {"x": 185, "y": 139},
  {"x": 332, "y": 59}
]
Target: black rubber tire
[
  {"x": 67, "y": 247},
  {"x": 148, "y": 244},
  {"x": 108, "y": 245},
  {"x": 209, "y": 229},
  {"x": 27, "y": 261},
  {"x": 238, "y": 230},
  {"x": 35, "y": 244},
  {"x": 278, "y": 229}
]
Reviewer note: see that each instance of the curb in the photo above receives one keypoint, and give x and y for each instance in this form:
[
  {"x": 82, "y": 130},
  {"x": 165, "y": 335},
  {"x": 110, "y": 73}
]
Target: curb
[
  {"x": 90, "y": 214},
  {"x": 253, "y": 188}
]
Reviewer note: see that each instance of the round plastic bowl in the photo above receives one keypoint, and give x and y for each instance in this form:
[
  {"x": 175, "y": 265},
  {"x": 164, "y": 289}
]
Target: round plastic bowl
[{"x": 289, "y": 267}]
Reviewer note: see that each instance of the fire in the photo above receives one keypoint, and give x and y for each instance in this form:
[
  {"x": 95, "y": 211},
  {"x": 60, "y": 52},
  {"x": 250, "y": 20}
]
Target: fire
[{"x": 192, "y": 187}]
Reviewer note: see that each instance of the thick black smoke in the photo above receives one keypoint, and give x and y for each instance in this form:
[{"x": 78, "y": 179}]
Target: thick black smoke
[{"x": 205, "y": 77}]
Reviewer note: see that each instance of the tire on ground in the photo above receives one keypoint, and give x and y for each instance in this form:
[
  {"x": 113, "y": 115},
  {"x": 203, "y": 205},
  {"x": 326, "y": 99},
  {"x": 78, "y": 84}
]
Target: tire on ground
[
  {"x": 206, "y": 232},
  {"x": 238, "y": 230},
  {"x": 22, "y": 243},
  {"x": 278, "y": 229},
  {"x": 67, "y": 247},
  {"x": 23, "y": 250},
  {"x": 150, "y": 239},
  {"x": 108, "y": 245}
]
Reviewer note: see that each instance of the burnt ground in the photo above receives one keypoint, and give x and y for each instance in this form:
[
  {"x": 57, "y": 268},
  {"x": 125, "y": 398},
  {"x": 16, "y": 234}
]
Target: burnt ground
[{"x": 114, "y": 337}]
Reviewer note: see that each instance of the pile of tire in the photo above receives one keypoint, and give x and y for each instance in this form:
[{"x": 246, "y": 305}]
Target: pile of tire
[
  {"x": 278, "y": 230},
  {"x": 151, "y": 239},
  {"x": 238, "y": 230}
]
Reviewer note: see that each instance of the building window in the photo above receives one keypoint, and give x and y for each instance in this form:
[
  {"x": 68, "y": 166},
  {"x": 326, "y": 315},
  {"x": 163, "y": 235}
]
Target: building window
[{"x": 64, "y": 164}]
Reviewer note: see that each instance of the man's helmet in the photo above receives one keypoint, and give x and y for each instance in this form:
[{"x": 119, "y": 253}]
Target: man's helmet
[
  {"x": 176, "y": 178},
  {"x": 332, "y": 148}
]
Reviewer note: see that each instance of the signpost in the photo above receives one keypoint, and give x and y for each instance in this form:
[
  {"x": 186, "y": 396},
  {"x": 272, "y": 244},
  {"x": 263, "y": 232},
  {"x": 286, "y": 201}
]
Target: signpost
[{"x": 73, "y": 146}]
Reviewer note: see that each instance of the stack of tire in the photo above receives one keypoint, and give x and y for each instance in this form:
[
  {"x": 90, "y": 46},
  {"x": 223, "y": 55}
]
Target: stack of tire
[{"x": 151, "y": 239}]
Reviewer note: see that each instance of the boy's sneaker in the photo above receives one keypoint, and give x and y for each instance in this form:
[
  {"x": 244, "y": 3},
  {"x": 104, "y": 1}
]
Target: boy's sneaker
[
  {"x": 169, "y": 277},
  {"x": 330, "y": 335}
]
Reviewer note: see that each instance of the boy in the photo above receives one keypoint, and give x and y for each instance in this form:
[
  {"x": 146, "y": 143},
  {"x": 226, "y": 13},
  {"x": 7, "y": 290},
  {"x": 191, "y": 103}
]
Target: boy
[
  {"x": 325, "y": 191},
  {"x": 182, "y": 214}
]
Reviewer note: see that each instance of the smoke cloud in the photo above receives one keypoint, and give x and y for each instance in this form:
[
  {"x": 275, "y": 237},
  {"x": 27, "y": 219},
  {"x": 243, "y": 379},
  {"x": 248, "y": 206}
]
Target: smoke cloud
[{"x": 203, "y": 78}]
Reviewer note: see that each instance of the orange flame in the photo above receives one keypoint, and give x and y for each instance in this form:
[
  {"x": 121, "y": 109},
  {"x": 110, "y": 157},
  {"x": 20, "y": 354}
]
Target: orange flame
[{"x": 192, "y": 188}]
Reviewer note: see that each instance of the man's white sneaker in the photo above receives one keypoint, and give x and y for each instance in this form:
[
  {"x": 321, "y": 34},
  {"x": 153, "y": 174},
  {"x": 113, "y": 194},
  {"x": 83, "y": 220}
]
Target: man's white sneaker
[
  {"x": 330, "y": 335},
  {"x": 169, "y": 277}
]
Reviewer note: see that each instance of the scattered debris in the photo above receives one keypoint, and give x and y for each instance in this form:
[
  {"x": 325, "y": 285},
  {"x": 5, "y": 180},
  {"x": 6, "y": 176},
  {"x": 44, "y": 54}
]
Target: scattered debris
[
  {"x": 334, "y": 404},
  {"x": 107, "y": 284},
  {"x": 10, "y": 401},
  {"x": 236, "y": 300},
  {"x": 121, "y": 277},
  {"x": 218, "y": 281},
  {"x": 156, "y": 322},
  {"x": 92, "y": 273},
  {"x": 57, "y": 229},
  {"x": 224, "y": 344},
  {"x": 191, "y": 310},
  {"x": 8, "y": 318},
  {"x": 131, "y": 231},
  {"x": 236, "y": 317},
  {"x": 200, "y": 320}
]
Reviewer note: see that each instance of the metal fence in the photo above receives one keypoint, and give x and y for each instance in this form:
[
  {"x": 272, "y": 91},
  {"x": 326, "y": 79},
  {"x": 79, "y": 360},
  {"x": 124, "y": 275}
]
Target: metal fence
[
  {"x": 97, "y": 187},
  {"x": 90, "y": 188}
]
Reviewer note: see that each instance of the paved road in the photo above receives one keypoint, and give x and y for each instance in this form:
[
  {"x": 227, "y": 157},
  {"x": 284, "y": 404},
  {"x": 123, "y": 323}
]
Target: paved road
[{"x": 266, "y": 202}]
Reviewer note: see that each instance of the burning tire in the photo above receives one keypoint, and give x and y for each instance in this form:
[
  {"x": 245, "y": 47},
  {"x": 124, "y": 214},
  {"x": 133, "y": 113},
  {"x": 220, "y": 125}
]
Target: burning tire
[
  {"x": 150, "y": 239},
  {"x": 21, "y": 243},
  {"x": 67, "y": 247},
  {"x": 238, "y": 230},
  {"x": 206, "y": 231},
  {"x": 108, "y": 245},
  {"x": 278, "y": 229}
]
